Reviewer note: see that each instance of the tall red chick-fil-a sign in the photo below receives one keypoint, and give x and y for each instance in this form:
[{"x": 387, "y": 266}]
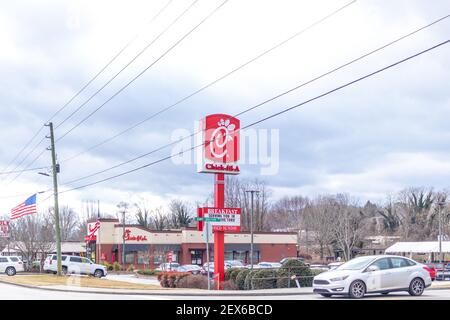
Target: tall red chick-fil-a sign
[{"x": 220, "y": 138}]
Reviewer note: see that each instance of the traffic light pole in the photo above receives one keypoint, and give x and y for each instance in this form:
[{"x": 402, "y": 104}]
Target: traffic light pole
[{"x": 55, "y": 194}]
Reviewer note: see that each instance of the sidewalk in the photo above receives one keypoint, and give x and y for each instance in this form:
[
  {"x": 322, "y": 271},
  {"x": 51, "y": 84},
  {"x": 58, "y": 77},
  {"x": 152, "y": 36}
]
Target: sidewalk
[{"x": 170, "y": 292}]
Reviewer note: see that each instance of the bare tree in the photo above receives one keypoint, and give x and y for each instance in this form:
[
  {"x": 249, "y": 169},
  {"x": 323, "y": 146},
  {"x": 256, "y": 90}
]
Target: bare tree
[
  {"x": 287, "y": 213},
  {"x": 158, "y": 220},
  {"x": 142, "y": 213},
  {"x": 319, "y": 217},
  {"x": 68, "y": 220},
  {"x": 347, "y": 227},
  {"x": 33, "y": 234},
  {"x": 236, "y": 197},
  {"x": 179, "y": 214}
]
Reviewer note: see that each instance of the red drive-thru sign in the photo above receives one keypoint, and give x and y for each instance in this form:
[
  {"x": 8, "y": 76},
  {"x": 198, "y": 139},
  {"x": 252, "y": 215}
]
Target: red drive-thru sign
[
  {"x": 220, "y": 155},
  {"x": 4, "y": 228},
  {"x": 220, "y": 136}
]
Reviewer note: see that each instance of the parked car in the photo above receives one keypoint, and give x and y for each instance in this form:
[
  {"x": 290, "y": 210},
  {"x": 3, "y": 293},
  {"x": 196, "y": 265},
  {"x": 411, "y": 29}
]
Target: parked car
[
  {"x": 431, "y": 270},
  {"x": 265, "y": 265},
  {"x": 235, "y": 263},
  {"x": 211, "y": 268},
  {"x": 191, "y": 268},
  {"x": 75, "y": 265},
  {"x": 442, "y": 270},
  {"x": 322, "y": 267},
  {"x": 282, "y": 261},
  {"x": 334, "y": 265},
  {"x": 11, "y": 265},
  {"x": 169, "y": 266},
  {"x": 373, "y": 274}
]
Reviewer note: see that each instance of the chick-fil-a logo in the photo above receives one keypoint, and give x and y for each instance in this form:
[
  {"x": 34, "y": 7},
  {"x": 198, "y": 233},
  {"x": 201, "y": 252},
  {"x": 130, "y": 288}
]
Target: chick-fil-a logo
[
  {"x": 129, "y": 237},
  {"x": 221, "y": 141}
]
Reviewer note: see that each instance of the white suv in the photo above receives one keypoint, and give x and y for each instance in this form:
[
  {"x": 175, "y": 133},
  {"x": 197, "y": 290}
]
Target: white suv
[
  {"x": 75, "y": 264},
  {"x": 11, "y": 265}
]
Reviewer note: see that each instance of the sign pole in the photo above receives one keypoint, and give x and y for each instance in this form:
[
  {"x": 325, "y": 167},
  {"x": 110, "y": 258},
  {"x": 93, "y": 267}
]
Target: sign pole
[
  {"x": 219, "y": 236},
  {"x": 207, "y": 253}
]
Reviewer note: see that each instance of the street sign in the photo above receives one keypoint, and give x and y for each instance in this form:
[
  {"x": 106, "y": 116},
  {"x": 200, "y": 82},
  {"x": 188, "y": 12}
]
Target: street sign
[{"x": 207, "y": 219}]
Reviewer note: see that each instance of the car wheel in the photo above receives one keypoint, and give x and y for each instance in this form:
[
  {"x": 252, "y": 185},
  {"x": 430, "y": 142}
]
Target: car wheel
[
  {"x": 98, "y": 273},
  {"x": 416, "y": 287},
  {"x": 326, "y": 295},
  {"x": 357, "y": 289},
  {"x": 64, "y": 270},
  {"x": 10, "y": 271}
]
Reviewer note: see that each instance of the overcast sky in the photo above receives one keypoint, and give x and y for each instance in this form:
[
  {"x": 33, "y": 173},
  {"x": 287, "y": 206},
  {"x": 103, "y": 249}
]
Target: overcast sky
[{"x": 373, "y": 138}]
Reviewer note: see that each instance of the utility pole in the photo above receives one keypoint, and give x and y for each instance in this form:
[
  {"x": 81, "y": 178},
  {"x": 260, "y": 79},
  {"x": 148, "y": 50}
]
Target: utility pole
[
  {"x": 99, "y": 256},
  {"x": 123, "y": 207},
  {"x": 440, "y": 204},
  {"x": 55, "y": 168},
  {"x": 252, "y": 192}
]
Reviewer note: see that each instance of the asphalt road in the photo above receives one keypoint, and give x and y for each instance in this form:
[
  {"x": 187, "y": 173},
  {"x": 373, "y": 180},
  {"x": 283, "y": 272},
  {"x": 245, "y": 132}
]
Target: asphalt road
[{"x": 11, "y": 292}]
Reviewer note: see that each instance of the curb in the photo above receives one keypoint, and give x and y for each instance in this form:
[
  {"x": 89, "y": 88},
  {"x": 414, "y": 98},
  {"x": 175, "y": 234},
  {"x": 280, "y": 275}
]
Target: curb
[{"x": 175, "y": 294}]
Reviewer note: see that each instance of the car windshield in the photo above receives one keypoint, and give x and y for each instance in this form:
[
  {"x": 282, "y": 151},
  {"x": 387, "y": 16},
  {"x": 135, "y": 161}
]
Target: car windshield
[{"x": 356, "y": 264}]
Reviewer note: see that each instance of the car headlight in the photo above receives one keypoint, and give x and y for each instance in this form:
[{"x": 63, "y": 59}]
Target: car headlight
[{"x": 339, "y": 278}]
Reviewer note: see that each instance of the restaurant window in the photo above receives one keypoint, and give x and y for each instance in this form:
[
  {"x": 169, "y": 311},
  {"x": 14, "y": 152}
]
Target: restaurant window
[
  {"x": 143, "y": 257},
  {"x": 239, "y": 255},
  {"x": 196, "y": 257},
  {"x": 129, "y": 257},
  {"x": 229, "y": 255},
  {"x": 159, "y": 257}
]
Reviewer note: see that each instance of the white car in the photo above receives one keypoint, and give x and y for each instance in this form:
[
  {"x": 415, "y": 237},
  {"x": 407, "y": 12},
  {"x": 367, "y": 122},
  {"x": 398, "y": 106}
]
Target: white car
[
  {"x": 191, "y": 268},
  {"x": 11, "y": 265},
  {"x": 235, "y": 264},
  {"x": 373, "y": 274},
  {"x": 334, "y": 265},
  {"x": 265, "y": 265},
  {"x": 75, "y": 265}
]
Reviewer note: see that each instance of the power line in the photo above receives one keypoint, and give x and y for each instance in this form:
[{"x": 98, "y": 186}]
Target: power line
[
  {"x": 268, "y": 117},
  {"x": 211, "y": 83},
  {"x": 271, "y": 99},
  {"x": 143, "y": 71},
  {"x": 78, "y": 93},
  {"x": 24, "y": 170},
  {"x": 129, "y": 63}
]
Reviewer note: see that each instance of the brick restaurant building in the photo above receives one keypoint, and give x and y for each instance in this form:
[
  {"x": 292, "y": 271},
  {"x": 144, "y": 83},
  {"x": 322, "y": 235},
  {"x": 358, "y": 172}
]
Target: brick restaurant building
[{"x": 145, "y": 248}]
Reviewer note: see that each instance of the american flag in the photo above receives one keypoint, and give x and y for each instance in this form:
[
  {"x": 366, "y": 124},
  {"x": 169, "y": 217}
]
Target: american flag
[{"x": 25, "y": 208}]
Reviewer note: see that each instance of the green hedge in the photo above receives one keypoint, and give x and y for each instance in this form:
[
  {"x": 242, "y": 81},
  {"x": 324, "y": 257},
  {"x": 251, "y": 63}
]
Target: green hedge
[
  {"x": 229, "y": 272},
  {"x": 264, "y": 279},
  {"x": 294, "y": 268},
  {"x": 240, "y": 278},
  {"x": 248, "y": 279}
]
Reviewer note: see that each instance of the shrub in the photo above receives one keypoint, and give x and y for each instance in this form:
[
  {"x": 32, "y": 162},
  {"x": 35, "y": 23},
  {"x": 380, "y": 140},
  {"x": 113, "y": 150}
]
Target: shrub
[
  {"x": 107, "y": 265},
  {"x": 248, "y": 280},
  {"x": 294, "y": 268},
  {"x": 229, "y": 272},
  {"x": 117, "y": 266},
  {"x": 171, "y": 279},
  {"x": 264, "y": 279},
  {"x": 193, "y": 281},
  {"x": 240, "y": 278},
  {"x": 130, "y": 268},
  {"x": 149, "y": 272},
  {"x": 229, "y": 285},
  {"x": 234, "y": 274}
]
